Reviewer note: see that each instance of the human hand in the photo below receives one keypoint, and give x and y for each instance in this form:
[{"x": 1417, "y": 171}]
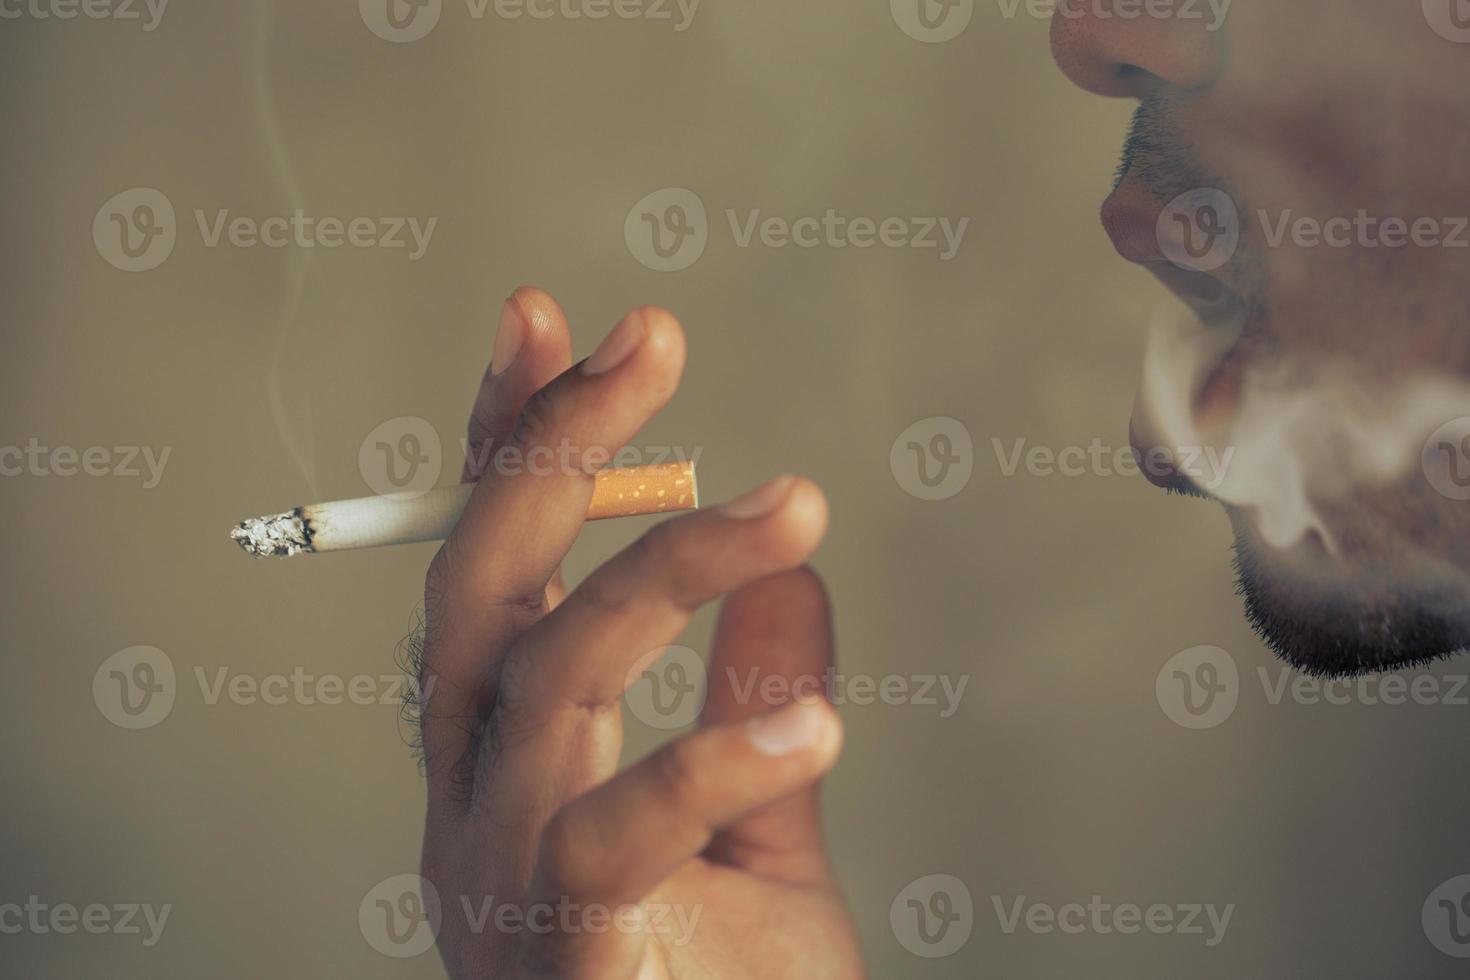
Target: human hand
[{"x": 703, "y": 860}]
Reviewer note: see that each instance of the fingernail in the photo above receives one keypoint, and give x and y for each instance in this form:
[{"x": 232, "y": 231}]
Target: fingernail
[
  {"x": 796, "y": 726},
  {"x": 616, "y": 346},
  {"x": 508, "y": 337},
  {"x": 760, "y": 501}
]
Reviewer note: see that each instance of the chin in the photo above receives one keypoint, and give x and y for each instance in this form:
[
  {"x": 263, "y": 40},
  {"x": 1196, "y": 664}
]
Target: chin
[{"x": 1330, "y": 620}]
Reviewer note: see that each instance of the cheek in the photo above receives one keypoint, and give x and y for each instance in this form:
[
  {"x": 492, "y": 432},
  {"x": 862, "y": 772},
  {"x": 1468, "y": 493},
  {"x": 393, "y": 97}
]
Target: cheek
[{"x": 1391, "y": 317}]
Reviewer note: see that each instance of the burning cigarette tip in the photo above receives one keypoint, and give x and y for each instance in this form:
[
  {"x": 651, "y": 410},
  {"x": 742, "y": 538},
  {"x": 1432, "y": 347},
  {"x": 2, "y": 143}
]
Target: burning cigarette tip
[{"x": 277, "y": 536}]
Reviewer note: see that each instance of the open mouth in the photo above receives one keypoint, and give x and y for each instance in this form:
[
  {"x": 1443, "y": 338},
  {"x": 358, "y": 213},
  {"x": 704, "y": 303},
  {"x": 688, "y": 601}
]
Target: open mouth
[
  {"x": 1189, "y": 385},
  {"x": 1187, "y": 396},
  {"x": 1213, "y": 302}
]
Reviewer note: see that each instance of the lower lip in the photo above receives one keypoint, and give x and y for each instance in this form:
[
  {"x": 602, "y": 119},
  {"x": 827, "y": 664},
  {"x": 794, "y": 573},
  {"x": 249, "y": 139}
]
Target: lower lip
[{"x": 1160, "y": 475}]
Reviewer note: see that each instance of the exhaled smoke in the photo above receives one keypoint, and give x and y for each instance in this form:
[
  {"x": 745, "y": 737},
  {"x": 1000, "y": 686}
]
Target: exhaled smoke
[
  {"x": 1301, "y": 437},
  {"x": 295, "y": 433}
]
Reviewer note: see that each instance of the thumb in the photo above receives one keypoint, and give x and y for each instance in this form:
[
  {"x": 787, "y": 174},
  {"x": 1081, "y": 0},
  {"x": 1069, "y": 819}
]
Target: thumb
[{"x": 773, "y": 644}]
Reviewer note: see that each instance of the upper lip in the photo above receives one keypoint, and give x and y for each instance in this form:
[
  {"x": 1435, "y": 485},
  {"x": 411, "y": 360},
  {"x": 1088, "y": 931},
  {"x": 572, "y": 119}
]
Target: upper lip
[{"x": 1130, "y": 215}]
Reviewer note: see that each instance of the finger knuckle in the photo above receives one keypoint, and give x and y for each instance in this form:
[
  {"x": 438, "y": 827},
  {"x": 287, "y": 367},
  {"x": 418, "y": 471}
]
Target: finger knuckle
[
  {"x": 537, "y": 419},
  {"x": 487, "y": 421},
  {"x": 605, "y": 592},
  {"x": 513, "y": 687},
  {"x": 681, "y": 779},
  {"x": 613, "y": 587},
  {"x": 565, "y": 857},
  {"x": 525, "y": 605},
  {"x": 669, "y": 548}
]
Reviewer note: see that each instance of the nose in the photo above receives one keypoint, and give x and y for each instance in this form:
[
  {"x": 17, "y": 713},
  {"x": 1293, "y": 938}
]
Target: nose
[{"x": 1132, "y": 49}]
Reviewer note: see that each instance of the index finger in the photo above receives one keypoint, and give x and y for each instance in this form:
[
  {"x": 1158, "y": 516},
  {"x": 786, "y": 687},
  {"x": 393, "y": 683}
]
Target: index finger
[{"x": 488, "y": 581}]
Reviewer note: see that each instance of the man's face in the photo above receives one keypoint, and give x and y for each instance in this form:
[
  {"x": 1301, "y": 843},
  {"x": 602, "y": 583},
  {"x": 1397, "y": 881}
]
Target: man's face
[{"x": 1297, "y": 174}]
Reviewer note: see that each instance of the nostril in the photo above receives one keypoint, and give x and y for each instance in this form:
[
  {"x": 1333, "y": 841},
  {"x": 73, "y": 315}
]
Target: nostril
[
  {"x": 1137, "y": 57},
  {"x": 1138, "y": 81}
]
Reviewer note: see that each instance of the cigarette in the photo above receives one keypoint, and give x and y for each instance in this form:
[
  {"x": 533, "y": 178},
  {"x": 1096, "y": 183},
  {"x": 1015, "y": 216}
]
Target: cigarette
[{"x": 371, "y": 522}]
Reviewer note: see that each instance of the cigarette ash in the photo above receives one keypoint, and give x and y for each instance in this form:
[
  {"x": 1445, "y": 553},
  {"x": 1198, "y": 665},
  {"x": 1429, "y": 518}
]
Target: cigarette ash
[{"x": 274, "y": 537}]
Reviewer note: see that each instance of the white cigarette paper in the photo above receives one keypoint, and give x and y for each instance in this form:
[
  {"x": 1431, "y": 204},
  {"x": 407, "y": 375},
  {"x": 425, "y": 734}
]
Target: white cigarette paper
[{"x": 371, "y": 522}]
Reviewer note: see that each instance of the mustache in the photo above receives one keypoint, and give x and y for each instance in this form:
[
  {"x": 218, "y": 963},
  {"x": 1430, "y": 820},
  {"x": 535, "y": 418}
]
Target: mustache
[{"x": 1155, "y": 156}]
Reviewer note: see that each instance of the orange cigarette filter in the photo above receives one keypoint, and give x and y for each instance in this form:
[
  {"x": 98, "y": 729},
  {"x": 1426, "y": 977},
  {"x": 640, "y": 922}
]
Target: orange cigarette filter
[{"x": 663, "y": 487}]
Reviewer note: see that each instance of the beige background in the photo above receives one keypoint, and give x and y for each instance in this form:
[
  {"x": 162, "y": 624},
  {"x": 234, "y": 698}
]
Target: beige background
[{"x": 1059, "y": 598}]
